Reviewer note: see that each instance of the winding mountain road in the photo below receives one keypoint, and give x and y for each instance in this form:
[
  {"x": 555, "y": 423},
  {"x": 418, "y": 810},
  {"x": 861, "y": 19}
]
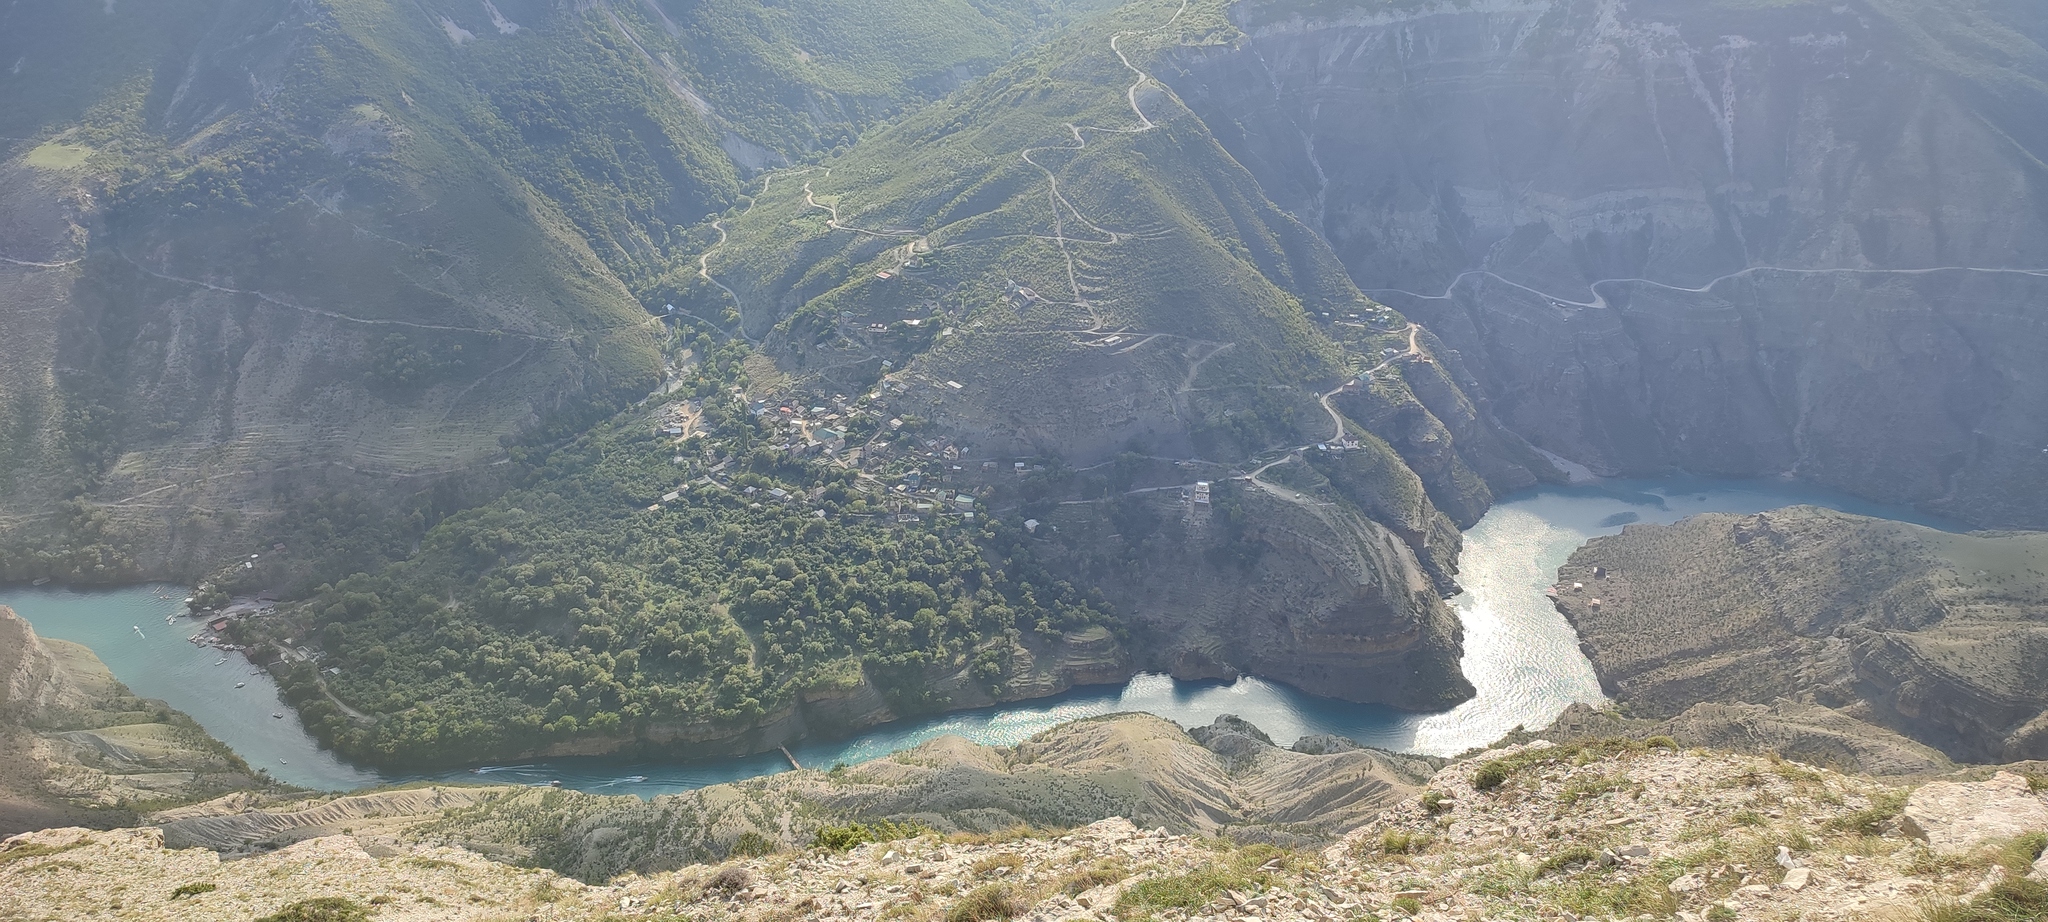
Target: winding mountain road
[{"x": 1599, "y": 301}]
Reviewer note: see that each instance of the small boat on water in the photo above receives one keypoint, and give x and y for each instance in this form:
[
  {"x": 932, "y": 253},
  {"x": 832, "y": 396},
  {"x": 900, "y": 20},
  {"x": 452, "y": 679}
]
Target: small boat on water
[
  {"x": 277, "y": 714},
  {"x": 138, "y": 631},
  {"x": 41, "y": 581},
  {"x": 240, "y": 684},
  {"x": 220, "y": 661}
]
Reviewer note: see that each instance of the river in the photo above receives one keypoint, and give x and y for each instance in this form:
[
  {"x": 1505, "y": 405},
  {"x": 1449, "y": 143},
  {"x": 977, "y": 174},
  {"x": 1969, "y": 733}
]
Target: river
[{"x": 1520, "y": 653}]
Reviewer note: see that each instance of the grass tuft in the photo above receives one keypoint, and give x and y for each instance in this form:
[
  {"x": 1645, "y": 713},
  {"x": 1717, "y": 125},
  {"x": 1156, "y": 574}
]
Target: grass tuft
[
  {"x": 324, "y": 909},
  {"x": 1402, "y": 842},
  {"x": 985, "y": 866},
  {"x": 1102, "y": 873},
  {"x": 993, "y": 901},
  {"x": 2010, "y": 900},
  {"x": 1871, "y": 820},
  {"x": 38, "y": 850}
]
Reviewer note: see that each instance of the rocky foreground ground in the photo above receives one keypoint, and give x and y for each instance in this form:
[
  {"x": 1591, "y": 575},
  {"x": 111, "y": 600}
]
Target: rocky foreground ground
[{"x": 1539, "y": 831}]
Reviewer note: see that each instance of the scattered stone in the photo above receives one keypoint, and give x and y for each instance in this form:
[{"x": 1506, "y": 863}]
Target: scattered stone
[{"x": 1683, "y": 792}]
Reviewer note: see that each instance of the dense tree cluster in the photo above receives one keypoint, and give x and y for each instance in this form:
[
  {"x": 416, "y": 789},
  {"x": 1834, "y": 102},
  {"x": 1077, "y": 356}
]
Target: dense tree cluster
[{"x": 568, "y": 608}]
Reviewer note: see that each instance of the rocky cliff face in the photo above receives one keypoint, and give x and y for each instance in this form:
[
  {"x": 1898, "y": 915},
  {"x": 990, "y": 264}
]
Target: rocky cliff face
[
  {"x": 1936, "y": 636},
  {"x": 1579, "y": 197},
  {"x": 1913, "y": 388},
  {"x": 1561, "y": 142},
  {"x": 1279, "y": 583}
]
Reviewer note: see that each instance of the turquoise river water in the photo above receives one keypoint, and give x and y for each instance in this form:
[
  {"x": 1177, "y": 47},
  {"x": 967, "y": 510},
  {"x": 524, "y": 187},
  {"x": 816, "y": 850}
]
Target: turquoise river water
[{"x": 1519, "y": 652}]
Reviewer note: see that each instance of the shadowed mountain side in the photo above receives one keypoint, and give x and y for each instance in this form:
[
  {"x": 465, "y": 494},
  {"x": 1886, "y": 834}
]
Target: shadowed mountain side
[
  {"x": 1298, "y": 587},
  {"x": 77, "y": 749},
  {"x": 1131, "y": 765},
  {"x": 1936, "y": 636},
  {"x": 1509, "y": 174},
  {"x": 1562, "y": 142},
  {"x": 1920, "y": 388}
]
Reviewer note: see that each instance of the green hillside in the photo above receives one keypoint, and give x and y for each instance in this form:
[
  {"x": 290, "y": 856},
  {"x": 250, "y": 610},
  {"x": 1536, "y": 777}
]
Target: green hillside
[
  {"x": 1047, "y": 297},
  {"x": 1152, "y": 235},
  {"x": 298, "y": 251}
]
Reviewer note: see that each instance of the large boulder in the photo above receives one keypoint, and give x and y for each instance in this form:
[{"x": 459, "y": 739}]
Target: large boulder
[{"x": 1955, "y": 816}]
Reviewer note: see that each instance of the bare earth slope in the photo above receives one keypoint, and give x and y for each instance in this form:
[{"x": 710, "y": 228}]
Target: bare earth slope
[
  {"x": 1134, "y": 765},
  {"x": 1601, "y": 830},
  {"x": 77, "y": 748},
  {"x": 1941, "y": 637}
]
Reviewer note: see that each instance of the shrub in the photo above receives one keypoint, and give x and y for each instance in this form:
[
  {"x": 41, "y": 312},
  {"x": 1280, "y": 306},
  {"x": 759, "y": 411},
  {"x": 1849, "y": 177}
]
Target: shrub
[
  {"x": 985, "y": 903},
  {"x": 1661, "y": 742},
  {"x": 1491, "y": 775},
  {"x": 751, "y": 844},
  {"x": 729, "y": 880},
  {"x": 1433, "y": 802},
  {"x": 1720, "y": 913},
  {"x": 185, "y": 890},
  {"x": 852, "y": 835},
  {"x": 324, "y": 909},
  {"x": 1408, "y": 906}
]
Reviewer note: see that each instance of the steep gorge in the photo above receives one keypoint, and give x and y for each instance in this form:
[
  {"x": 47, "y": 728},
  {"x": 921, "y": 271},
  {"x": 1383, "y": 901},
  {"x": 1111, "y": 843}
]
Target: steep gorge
[{"x": 1591, "y": 202}]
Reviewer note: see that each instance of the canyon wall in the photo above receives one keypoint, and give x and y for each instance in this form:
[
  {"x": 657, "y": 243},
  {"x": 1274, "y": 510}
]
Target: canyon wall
[{"x": 1586, "y": 201}]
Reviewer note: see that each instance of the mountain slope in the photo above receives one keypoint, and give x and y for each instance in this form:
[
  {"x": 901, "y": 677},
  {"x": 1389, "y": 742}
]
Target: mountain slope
[
  {"x": 1224, "y": 779},
  {"x": 78, "y": 749},
  {"x": 1098, "y": 312},
  {"x": 258, "y": 255},
  {"x": 1042, "y": 266},
  {"x": 1593, "y": 204},
  {"x": 1937, "y": 636}
]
